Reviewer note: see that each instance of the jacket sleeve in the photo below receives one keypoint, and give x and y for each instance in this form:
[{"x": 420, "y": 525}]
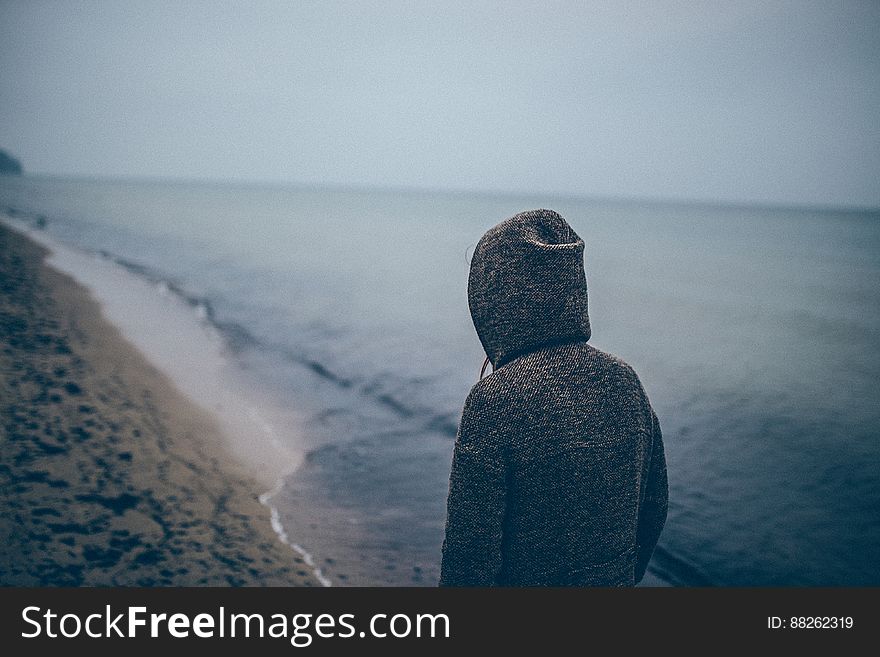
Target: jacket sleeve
[
  {"x": 652, "y": 515},
  {"x": 476, "y": 504}
]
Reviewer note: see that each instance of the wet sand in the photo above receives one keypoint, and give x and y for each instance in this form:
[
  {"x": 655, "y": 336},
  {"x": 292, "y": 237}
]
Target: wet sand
[{"x": 108, "y": 475}]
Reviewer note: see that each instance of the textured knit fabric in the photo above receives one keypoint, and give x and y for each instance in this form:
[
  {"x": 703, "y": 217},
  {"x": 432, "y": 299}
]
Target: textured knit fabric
[{"x": 558, "y": 475}]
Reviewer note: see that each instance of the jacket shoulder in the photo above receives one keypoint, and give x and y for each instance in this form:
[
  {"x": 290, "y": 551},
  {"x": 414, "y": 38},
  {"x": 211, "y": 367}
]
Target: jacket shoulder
[
  {"x": 624, "y": 378},
  {"x": 481, "y": 417},
  {"x": 486, "y": 393},
  {"x": 618, "y": 368}
]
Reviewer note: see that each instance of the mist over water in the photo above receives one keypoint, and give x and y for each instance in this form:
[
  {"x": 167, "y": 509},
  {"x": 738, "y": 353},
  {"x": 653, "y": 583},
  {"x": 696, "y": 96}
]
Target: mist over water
[{"x": 754, "y": 331}]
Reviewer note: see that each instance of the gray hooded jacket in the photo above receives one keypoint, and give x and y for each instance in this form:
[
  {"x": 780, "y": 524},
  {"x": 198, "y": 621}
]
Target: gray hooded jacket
[{"x": 558, "y": 475}]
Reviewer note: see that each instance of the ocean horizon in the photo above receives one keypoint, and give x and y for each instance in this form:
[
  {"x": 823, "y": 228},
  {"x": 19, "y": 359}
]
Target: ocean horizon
[
  {"x": 305, "y": 186},
  {"x": 332, "y": 323}
]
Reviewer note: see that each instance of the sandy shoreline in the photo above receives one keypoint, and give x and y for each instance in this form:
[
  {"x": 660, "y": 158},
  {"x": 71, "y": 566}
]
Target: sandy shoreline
[{"x": 108, "y": 475}]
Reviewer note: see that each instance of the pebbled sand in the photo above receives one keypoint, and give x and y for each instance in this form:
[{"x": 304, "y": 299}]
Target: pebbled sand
[{"x": 108, "y": 475}]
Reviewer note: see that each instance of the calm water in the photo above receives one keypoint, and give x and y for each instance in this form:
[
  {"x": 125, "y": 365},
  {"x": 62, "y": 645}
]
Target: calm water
[{"x": 755, "y": 332}]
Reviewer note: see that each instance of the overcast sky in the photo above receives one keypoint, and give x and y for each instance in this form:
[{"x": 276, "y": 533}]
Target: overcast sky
[{"x": 742, "y": 101}]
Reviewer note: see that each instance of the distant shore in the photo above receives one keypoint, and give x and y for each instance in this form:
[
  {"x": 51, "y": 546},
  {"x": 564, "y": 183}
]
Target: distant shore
[{"x": 108, "y": 475}]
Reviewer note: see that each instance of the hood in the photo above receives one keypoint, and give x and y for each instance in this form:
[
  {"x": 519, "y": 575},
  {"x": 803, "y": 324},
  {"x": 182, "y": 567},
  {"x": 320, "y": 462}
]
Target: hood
[{"x": 527, "y": 287}]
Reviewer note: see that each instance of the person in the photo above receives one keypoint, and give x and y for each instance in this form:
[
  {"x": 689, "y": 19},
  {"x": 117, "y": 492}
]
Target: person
[{"x": 558, "y": 474}]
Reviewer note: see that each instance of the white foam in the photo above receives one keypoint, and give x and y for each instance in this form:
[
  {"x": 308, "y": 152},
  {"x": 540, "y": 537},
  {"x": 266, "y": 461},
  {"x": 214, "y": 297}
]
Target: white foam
[
  {"x": 275, "y": 519},
  {"x": 179, "y": 341},
  {"x": 274, "y": 516}
]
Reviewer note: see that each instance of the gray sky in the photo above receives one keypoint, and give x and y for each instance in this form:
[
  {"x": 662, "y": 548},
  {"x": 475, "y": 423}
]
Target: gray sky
[{"x": 743, "y": 101}]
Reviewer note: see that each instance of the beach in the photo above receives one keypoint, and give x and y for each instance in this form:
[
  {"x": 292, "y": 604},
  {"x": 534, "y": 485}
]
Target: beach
[
  {"x": 108, "y": 474},
  {"x": 337, "y": 369}
]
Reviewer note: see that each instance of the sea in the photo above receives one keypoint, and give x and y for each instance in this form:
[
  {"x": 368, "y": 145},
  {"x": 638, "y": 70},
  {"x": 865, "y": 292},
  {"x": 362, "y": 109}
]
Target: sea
[{"x": 334, "y": 323}]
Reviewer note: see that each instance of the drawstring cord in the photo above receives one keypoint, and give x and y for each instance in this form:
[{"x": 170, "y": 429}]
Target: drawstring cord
[{"x": 485, "y": 365}]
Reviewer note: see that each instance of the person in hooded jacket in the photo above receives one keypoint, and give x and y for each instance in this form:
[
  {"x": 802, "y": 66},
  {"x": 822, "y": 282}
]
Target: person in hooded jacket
[{"x": 558, "y": 474}]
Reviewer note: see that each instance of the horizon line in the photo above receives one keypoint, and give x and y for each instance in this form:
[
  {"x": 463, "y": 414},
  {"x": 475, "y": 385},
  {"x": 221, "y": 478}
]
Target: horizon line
[{"x": 414, "y": 189}]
